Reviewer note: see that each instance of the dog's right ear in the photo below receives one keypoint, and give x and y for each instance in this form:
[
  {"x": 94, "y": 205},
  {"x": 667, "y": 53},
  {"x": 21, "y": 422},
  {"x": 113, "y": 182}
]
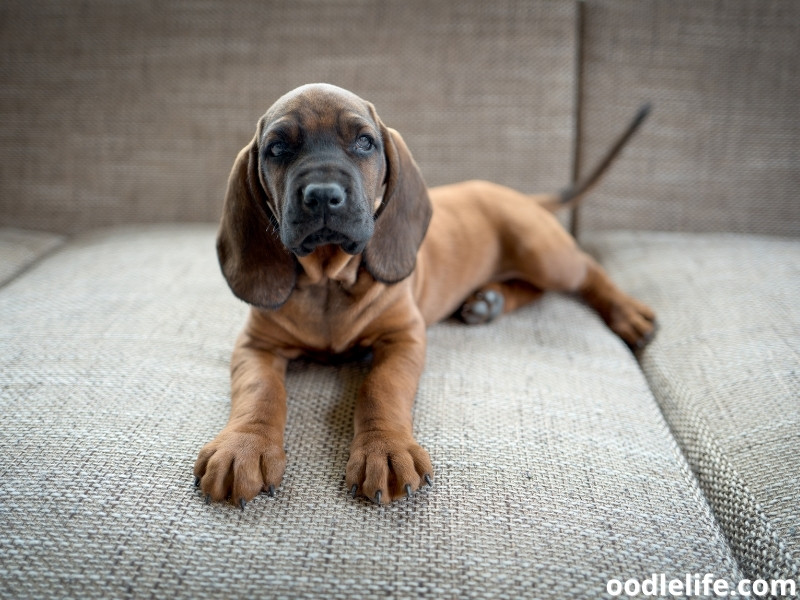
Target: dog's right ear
[{"x": 257, "y": 266}]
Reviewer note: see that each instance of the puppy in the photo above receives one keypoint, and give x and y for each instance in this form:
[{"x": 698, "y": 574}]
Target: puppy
[{"x": 331, "y": 235}]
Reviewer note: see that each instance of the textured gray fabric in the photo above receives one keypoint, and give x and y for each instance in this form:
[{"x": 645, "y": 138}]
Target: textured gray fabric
[
  {"x": 128, "y": 112},
  {"x": 20, "y": 248},
  {"x": 721, "y": 150},
  {"x": 121, "y": 112},
  {"x": 724, "y": 368},
  {"x": 555, "y": 470}
]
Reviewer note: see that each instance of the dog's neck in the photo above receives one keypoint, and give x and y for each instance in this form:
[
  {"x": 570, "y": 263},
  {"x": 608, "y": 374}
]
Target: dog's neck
[{"x": 330, "y": 263}]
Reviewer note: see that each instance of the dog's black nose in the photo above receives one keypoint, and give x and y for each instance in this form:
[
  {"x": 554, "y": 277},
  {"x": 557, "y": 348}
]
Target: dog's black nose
[{"x": 323, "y": 196}]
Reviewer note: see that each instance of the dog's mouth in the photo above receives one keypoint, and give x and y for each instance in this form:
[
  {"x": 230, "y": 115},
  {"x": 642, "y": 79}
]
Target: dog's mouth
[{"x": 327, "y": 236}]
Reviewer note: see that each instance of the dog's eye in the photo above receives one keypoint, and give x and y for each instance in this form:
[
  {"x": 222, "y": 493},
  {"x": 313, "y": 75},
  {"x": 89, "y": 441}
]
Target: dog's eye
[
  {"x": 365, "y": 143},
  {"x": 277, "y": 149}
]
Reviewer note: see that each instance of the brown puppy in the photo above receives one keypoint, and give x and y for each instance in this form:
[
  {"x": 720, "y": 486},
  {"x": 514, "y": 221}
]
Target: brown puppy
[{"x": 330, "y": 233}]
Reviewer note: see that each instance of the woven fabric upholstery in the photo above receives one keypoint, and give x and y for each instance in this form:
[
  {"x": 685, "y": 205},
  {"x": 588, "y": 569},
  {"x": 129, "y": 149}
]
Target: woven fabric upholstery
[
  {"x": 724, "y": 369},
  {"x": 20, "y": 248},
  {"x": 721, "y": 150},
  {"x": 555, "y": 470},
  {"x": 123, "y": 112}
]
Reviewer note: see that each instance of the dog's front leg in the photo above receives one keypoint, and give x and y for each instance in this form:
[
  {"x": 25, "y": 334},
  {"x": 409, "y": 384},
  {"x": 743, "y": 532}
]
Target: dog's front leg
[
  {"x": 385, "y": 461},
  {"x": 247, "y": 456}
]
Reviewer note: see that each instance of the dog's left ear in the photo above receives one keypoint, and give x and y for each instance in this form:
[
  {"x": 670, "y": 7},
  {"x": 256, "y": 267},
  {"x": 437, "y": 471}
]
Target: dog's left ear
[{"x": 402, "y": 219}]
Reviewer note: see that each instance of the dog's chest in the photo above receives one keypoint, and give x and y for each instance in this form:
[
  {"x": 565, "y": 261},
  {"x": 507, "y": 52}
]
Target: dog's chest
[{"x": 330, "y": 316}]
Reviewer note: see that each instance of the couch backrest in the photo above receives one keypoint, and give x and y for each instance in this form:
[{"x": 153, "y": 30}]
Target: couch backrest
[
  {"x": 130, "y": 112},
  {"x": 722, "y": 149}
]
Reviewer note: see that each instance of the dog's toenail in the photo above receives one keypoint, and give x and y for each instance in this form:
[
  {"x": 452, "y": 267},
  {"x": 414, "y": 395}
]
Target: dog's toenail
[
  {"x": 408, "y": 490},
  {"x": 378, "y": 497},
  {"x": 428, "y": 480},
  {"x": 353, "y": 490},
  {"x": 271, "y": 491},
  {"x": 242, "y": 503}
]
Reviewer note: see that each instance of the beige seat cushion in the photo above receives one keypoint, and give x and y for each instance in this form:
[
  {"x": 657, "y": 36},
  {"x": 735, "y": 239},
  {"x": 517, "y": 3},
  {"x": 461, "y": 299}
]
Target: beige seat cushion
[
  {"x": 20, "y": 248},
  {"x": 724, "y": 368},
  {"x": 554, "y": 467}
]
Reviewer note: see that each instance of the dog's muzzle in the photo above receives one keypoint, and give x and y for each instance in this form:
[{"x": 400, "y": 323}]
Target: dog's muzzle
[{"x": 326, "y": 213}]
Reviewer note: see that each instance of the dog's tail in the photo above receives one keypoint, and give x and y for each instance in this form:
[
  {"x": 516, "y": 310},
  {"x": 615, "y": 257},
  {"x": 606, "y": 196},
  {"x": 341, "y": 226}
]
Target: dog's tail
[{"x": 573, "y": 194}]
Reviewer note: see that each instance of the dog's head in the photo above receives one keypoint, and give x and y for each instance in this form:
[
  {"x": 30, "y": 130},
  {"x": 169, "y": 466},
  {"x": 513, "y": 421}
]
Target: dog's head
[{"x": 322, "y": 170}]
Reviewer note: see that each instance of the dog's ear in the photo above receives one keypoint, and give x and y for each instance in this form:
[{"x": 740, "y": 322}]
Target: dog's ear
[
  {"x": 257, "y": 266},
  {"x": 402, "y": 218}
]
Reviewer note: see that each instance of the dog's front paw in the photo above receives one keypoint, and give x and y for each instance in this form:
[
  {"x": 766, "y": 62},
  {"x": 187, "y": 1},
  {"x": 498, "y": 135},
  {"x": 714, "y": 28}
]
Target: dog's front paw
[
  {"x": 237, "y": 465},
  {"x": 386, "y": 465}
]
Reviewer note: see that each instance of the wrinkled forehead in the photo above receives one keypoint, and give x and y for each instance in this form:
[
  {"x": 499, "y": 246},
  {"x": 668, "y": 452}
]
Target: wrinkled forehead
[{"x": 319, "y": 107}]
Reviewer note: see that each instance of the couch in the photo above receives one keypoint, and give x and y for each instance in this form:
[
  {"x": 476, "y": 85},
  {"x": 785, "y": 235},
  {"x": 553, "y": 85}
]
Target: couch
[{"x": 566, "y": 466}]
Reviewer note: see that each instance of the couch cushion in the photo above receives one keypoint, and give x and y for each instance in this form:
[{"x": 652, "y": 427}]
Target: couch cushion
[
  {"x": 724, "y": 369},
  {"x": 150, "y": 107},
  {"x": 719, "y": 152},
  {"x": 20, "y": 248},
  {"x": 555, "y": 470}
]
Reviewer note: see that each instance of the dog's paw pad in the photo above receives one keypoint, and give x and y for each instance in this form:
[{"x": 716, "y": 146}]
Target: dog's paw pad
[{"x": 482, "y": 307}]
